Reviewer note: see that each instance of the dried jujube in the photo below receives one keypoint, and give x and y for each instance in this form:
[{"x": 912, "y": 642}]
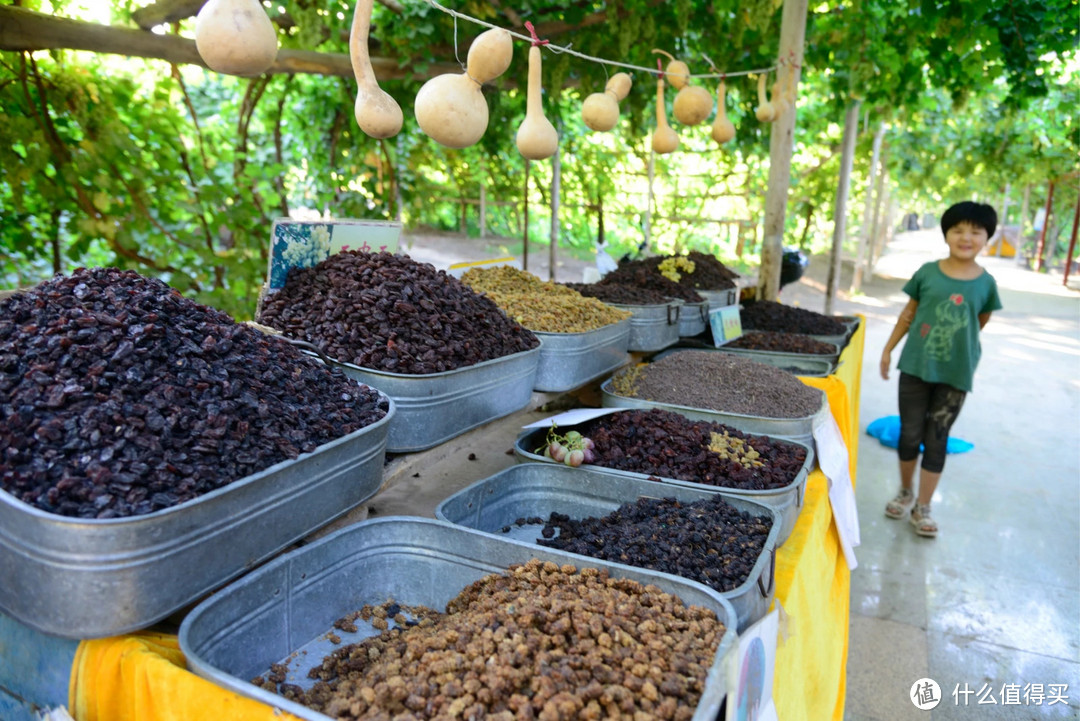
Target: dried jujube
[
  {"x": 119, "y": 397},
  {"x": 541, "y": 641}
]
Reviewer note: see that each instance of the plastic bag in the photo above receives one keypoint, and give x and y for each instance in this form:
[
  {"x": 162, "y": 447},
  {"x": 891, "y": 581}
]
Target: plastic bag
[{"x": 887, "y": 430}]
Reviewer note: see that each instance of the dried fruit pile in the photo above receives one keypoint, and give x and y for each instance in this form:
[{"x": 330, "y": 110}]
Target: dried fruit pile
[
  {"x": 720, "y": 382},
  {"x": 540, "y": 641},
  {"x": 541, "y": 305},
  {"x": 708, "y": 273},
  {"x": 782, "y": 342},
  {"x": 708, "y": 541},
  {"x": 619, "y": 293},
  {"x": 769, "y": 315},
  {"x": 119, "y": 397},
  {"x": 637, "y": 274},
  {"x": 390, "y": 313},
  {"x": 670, "y": 445}
]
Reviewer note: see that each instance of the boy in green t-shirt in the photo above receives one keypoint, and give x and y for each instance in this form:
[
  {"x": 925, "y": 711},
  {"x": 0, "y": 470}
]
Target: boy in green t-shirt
[{"x": 951, "y": 301}]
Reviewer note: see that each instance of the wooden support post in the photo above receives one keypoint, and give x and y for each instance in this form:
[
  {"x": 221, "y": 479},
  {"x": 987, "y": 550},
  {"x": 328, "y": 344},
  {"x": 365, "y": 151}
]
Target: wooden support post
[
  {"x": 866, "y": 235},
  {"x": 1040, "y": 248},
  {"x": 647, "y": 223},
  {"x": 556, "y": 173},
  {"x": 483, "y": 211},
  {"x": 525, "y": 230},
  {"x": 847, "y": 158},
  {"x": 1072, "y": 243},
  {"x": 781, "y": 145}
]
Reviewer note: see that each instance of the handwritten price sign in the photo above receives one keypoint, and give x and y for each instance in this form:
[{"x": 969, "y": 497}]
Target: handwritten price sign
[{"x": 726, "y": 324}]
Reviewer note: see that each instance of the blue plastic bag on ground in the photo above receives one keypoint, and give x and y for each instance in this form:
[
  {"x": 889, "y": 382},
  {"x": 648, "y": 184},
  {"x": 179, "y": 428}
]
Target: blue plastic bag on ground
[{"x": 887, "y": 430}]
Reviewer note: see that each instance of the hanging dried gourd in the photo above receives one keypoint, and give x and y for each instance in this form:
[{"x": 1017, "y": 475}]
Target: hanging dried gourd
[
  {"x": 692, "y": 103},
  {"x": 723, "y": 130},
  {"x": 600, "y": 111},
  {"x": 377, "y": 114},
  {"x": 450, "y": 108},
  {"x": 765, "y": 111},
  {"x": 536, "y": 138},
  {"x": 235, "y": 37},
  {"x": 664, "y": 139}
]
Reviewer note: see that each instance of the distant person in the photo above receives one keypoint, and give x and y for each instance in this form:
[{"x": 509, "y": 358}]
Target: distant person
[{"x": 951, "y": 301}]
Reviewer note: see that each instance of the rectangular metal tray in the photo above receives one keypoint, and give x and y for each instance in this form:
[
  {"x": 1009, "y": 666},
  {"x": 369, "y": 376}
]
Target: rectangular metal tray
[
  {"x": 788, "y": 500},
  {"x": 284, "y": 611},
  {"x": 693, "y": 319},
  {"x": 569, "y": 360},
  {"x": 88, "y": 578},
  {"x": 653, "y": 327},
  {"x": 795, "y": 429},
  {"x": 781, "y": 355},
  {"x": 798, "y": 364},
  {"x": 851, "y": 323},
  {"x": 540, "y": 489},
  {"x": 435, "y": 407}
]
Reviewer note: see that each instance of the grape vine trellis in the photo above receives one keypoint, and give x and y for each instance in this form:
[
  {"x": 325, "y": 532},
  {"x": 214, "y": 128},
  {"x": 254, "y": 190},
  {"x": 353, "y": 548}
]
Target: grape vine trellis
[{"x": 177, "y": 172}]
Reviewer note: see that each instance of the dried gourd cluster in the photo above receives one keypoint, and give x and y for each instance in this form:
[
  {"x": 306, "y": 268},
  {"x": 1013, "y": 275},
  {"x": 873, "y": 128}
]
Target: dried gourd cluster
[
  {"x": 237, "y": 37},
  {"x": 541, "y": 305},
  {"x": 541, "y": 641}
]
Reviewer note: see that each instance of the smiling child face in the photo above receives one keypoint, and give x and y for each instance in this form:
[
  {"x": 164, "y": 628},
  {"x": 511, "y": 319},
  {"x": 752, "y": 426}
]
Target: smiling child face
[{"x": 965, "y": 240}]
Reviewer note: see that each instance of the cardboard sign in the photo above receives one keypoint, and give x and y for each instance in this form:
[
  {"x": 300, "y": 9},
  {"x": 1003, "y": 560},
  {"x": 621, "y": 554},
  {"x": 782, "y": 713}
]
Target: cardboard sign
[
  {"x": 304, "y": 243},
  {"x": 726, "y": 324}
]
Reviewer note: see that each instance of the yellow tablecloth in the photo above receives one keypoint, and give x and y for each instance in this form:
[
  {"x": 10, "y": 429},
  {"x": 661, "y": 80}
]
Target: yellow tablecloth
[{"x": 141, "y": 677}]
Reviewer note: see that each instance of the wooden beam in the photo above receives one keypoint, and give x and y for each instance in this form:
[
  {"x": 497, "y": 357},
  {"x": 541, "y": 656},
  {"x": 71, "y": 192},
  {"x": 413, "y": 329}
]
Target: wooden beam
[
  {"x": 171, "y": 11},
  {"x": 25, "y": 30}
]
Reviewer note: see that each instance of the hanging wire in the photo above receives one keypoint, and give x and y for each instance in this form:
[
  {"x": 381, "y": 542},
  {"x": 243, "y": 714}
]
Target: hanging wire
[{"x": 566, "y": 49}]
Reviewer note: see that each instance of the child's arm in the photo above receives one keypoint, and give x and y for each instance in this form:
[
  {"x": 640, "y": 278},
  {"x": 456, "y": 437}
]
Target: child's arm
[
  {"x": 902, "y": 324},
  {"x": 984, "y": 318}
]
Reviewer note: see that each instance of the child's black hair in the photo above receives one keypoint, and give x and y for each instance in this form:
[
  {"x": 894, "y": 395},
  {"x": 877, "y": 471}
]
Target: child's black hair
[{"x": 983, "y": 216}]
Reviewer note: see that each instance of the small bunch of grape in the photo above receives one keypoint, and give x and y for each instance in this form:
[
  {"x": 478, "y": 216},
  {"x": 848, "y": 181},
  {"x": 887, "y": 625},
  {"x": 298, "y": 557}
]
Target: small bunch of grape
[{"x": 573, "y": 449}]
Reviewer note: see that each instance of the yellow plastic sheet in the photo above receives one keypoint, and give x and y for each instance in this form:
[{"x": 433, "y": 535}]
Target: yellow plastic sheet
[
  {"x": 813, "y": 582},
  {"x": 142, "y": 676}
]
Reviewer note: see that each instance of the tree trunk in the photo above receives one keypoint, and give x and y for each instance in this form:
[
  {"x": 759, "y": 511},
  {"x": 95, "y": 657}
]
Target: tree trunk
[
  {"x": 556, "y": 177},
  {"x": 843, "y": 190},
  {"x": 866, "y": 235},
  {"x": 781, "y": 142},
  {"x": 54, "y": 241}
]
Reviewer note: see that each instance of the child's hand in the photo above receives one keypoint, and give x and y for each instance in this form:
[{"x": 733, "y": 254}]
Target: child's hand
[{"x": 886, "y": 363}]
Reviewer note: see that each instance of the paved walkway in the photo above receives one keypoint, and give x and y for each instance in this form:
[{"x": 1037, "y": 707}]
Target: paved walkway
[{"x": 994, "y": 602}]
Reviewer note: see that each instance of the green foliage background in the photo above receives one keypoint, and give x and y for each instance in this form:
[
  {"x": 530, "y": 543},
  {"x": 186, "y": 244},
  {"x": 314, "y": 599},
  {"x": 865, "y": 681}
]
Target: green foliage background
[{"x": 178, "y": 172}]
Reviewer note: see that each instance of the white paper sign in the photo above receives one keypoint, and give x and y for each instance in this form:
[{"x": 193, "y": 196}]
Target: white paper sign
[
  {"x": 725, "y": 323},
  {"x": 750, "y": 678},
  {"x": 573, "y": 417},
  {"x": 832, "y": 457}
]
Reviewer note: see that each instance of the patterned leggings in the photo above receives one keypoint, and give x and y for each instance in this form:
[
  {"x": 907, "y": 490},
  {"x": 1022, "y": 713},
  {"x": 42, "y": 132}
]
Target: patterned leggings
[{"x": 927, "y": 412}]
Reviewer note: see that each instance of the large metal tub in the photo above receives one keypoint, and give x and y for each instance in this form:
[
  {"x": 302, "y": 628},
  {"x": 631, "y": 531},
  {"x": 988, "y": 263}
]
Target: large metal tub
[
  {"x": 720, "y": 298},
  {"x": 88, "y": 578},
  {"x": 284, "y": 611},
  {"x": 540, "y": 489},
  {"x": 435, "y": 407},
  {"x": 693, "y": 319},
  {"x": 795, "y": 429},
  {"x": 568, "y": 360},
  {"x": 653, "y": 327},
  {"x": 800, "y": 365},
  {"x": 787, "y": 501}
]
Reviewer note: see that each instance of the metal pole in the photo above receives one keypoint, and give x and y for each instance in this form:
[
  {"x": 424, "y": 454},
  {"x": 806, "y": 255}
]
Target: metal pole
[
  {"x": 781, "y": 145},
  {"x": 1041, "y": 248}
]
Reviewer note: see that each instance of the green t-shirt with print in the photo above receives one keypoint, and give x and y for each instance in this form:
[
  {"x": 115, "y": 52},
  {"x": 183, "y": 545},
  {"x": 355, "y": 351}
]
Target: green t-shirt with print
[{"x": 943, "y": 341}]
